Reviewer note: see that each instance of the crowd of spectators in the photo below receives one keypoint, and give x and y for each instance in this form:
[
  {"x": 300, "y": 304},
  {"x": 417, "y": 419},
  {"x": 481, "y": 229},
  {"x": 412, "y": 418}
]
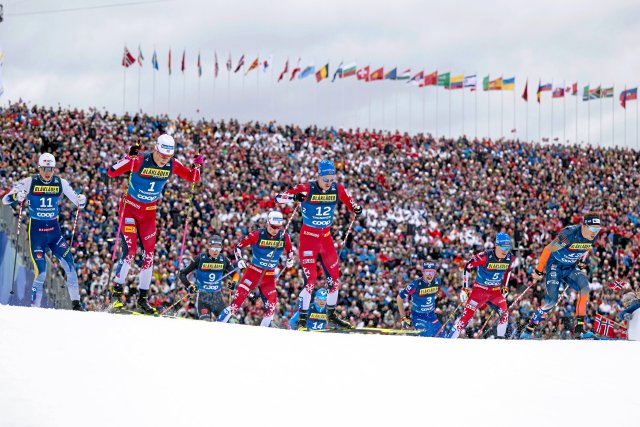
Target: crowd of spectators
[{"x": 423, "y": 198}]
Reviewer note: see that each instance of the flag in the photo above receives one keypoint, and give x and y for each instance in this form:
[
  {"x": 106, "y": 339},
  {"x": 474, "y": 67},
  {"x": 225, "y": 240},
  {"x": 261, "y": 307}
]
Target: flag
[
  {"x": 322, "y": 73},
  {"x": 574, "y": 89},
  {"x": 285, "y": 70},
  {"x": 363, "y": 74},
  {"x": 216, "y": 68},
  {"x": 469, "y": 81},
  {"x": 229, "y": 63},
  {"x": 456, "y": 82},
  {"x": 628, "y": 95},
  {"x": 485, "y": 83},
  {"x": 444, "y": 79},
  {"x": 140, "y": 57},
  {"x": 338, "y": 73},
  {"x": 595, "y": 93},
  {"x": 183, "y": 56},
  {"x": 509, "y": 84},
  {"x": 558, "y": 92},
  {"x": 525, "y": 94},
  {"x": 154, "y": 60},
  {"x": 496, "y": 84},
  {"x": 607, "y": 92},
  {"x": 391, "y": 75},
  {"x": 310, "y": 69},
  {"x": 543, "y": 88},
  {"x": 431, "y": 79},
  {"x": 348, "y": 71},
  {"x": 617, "y": 285},
  {"x": 405, "y": 75},
  {"x": 604, "y": 326},
  {"x": 266, "y": 63},
  {"x": 585, "y": 93},
  {"x": 295, "y": 71},
  {"x": 240, "y": 63},
  {"x": 253, "y": 66},
  {"x": 169, "y": 61},
  {"x": 417, "y": 79},
  {"x": 377, "y": 74},
  {"x": 127, "y": 58}
]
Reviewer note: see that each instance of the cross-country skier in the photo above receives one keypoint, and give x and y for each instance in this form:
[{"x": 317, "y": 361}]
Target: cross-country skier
[
  {"x": 318, "y": 202},
  {"x": 562, "y": 261},
  {"x": 210, "y": 266},
  {"x": 267, "y": 245},
  {"x": 43, "y": 192},
  {"x": 317, "y": 314},
  {"x": 423, "y": 292},
  {"x": 151, "y": 171},
  {"x": 490, "y": 286}
]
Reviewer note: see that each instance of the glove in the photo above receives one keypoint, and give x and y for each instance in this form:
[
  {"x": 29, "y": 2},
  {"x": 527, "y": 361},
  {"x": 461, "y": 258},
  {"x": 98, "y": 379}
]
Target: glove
[
  {"x": 198, "y": 161},
  {"x": 464, "y": 294},
  {"x": 581, "y": 265},
  {"x": 536, "y": 275},
  {"x": 504, "y": 290},
  {"x": 289, "y": 262},
  {"x": 191, "y": 288},
  {"x": 299, "y": 197},
  {"x": 242, "y": 265},
  {"x": 21, "y": 195},
  {"x": 357, "y": 209},
  {"x": 624, "y": 316},
  {"x": 82, "y": 201},
  {"x": 232, "y": 284},
  {"x": 133, "y": 151},
  {"x": 406, "y": 322},
  {"x": 617, "y": 285}
]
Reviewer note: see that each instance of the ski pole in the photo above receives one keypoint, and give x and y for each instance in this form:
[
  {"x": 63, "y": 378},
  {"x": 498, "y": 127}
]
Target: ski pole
[
  {"x": 344, "y": 242},
  {"x": 187, "y": 295},
  {"x": 514, "y": 302},
  {"x": 15, "y": 257},
  {"x": 190, "y": 203},
  {"x": 451, "y": 315},
  {"x": 73, "y": 233}
]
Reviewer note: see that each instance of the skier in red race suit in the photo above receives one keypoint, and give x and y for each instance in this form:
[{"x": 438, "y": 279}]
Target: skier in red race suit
[
  {"x": 150, "y": 172},
  {"x": 318, "y": 202},
  {"x": 267, "y": 245}
]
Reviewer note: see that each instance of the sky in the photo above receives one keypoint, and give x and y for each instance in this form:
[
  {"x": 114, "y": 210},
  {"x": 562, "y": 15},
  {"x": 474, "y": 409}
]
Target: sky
[{"x": 74, "y": 59}]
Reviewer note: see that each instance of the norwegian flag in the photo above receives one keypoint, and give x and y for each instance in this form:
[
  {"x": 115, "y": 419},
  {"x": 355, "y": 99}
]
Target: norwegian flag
[
  {"x": 286, "y": 69},
  {"x": 617, "y": 285},
  {"x": 604, "y": 326},
  {"x": 127, "y": 59}
]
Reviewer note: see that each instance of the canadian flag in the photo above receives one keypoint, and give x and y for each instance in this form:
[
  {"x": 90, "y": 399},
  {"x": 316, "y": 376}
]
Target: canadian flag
[{"x": 363, "y": 74}]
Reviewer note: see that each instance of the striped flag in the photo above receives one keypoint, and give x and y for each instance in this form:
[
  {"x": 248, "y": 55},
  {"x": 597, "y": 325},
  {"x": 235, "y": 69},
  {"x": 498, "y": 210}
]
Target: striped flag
[
  {"x": 628, "y": 95},
  {"x": 348, "y": 70},
  {"x": 140, "y": 57},
  {"x": 405, "y": 75},
  {"x": 127, "y": 58},
  {"x": 285, "y": 71},
  {"x": 338, "y": 72},
  {"x": 322, "y": 73},
  {"x": 295, "y": 70},
  {"x": 240, "y": 64},
  {"x": 470, "y": 81}
]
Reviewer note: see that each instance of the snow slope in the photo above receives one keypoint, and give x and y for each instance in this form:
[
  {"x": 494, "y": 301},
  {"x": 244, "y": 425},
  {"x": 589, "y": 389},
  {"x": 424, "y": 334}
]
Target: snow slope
[{"x": 61, "y": 368}]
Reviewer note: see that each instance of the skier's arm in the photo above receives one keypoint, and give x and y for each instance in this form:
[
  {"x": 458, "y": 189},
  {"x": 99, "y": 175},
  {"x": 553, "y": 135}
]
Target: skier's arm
[
  {"x": 558, "y": 243},
  {"x": 250, "y": 239},
  {"x": 124, "y": 165},
  {"x": 76, "y": 199},
  {"x": 22, "y": 185},
  {"x": 402, "y": 295},
  {"x": 228, "y": 265},
  {"x": 186, "y": 271},
  {"x": 475, "y": 262},
  {"x": 288, "y": 196},
  {"x": 191, "y": 175},
  {"x": 633, "y": 307},
  {"x": 345, "y": 197}
]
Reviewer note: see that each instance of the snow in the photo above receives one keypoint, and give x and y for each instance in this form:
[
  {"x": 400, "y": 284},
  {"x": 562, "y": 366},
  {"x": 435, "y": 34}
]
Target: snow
[{"x": 63, "y": 368}]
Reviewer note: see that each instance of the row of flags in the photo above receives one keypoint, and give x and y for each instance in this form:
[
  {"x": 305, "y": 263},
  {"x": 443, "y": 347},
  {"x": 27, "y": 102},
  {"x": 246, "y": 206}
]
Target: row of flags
[{"x": 367, "y": 74}]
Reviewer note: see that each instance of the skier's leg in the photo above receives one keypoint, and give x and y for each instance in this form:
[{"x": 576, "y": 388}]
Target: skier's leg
[
  {"x": 268, "y": 289},
  {"x": 37, "y": 245},
  {"x": 248, "y": 282}
]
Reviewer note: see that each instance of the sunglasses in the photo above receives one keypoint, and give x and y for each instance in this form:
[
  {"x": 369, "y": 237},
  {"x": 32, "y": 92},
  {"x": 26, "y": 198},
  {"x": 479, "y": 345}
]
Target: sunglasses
[
  {"x": 594, "y": 229},
  {"x": 46, "y": 169},
  {"x": 328, "y": 179},
  {"x": 505, "y": 248}
]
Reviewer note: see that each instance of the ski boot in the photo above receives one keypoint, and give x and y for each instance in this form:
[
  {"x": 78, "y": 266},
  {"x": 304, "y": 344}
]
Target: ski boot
[
  {"x": 75, "y": 305},
  {"x": 527, "y": 332},
  {"x": 301, "y": 324},
  {"x": 335, "y": 321},
  {"x": 143, "y": 305},
  {"x": 116, "y": 298}
]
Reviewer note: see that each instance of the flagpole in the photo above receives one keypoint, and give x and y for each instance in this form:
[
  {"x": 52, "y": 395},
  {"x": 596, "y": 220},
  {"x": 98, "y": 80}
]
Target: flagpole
[
  {"x": 514, "y": 108},
  {"x": 436, "y": 88},
  {"x": 154, "y": 88},
  {"x": 369, "y": 125},
  {"x": 424, "y": 100},
  {"x": 637, "y": 146},
  {"x": 576, "y": 94},
  {"x": 213, "y": 95},
  {"x": 258, "y": 84},
  {"x": 124, "y": 89},
  {"x": 564, "y": 113},
  {"x": 551, "y": 136},
  {"x": 396, "y": 109},
  {"x": 228, "y": 88},
  {"x": 184, "y": 91},
  {"x": 600, "y": 142},
  {"x": 449, "y": 110},
  {"x": 476, "y": 107},
  {"x": 199, "y": 111},
  {"x": 411, "y": 112},
  {"x": 489, "y": 111},
  {"x": 501, "y": 113},
  {"x": 539, "y": 115},
  {"x": 169, "y": 95},
  {"x": 139, "y": 67},
  {"x": 589, "y": 116},
  {"x": 613, "y": 121},
  {"x": 526, "y": 112},
  {"x": 625, "y": 122},
  {"x": 462, "y": 107},
  {"x": 383, "y": 112}
]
